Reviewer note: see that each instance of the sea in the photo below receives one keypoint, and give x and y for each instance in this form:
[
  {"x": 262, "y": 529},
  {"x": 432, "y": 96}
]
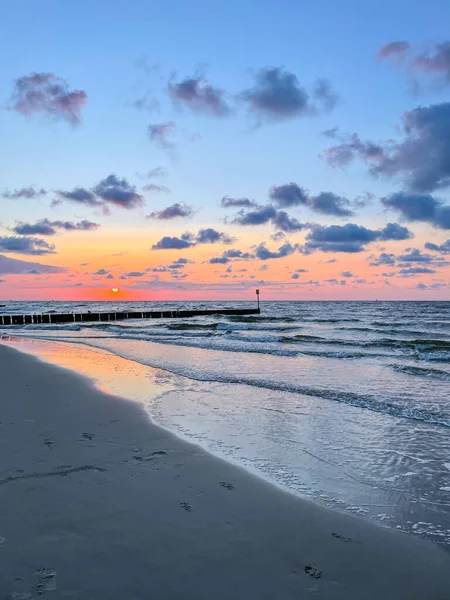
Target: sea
[{"x": 344, "y": 403}]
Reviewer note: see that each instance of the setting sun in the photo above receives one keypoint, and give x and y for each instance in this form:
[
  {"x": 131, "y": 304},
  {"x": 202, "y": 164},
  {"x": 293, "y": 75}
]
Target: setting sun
[{"x": 115, "y": 290}]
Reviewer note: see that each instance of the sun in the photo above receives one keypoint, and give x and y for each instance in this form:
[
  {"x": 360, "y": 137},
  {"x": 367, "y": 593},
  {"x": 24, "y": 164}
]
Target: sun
[{"x": 115, "y": 290}]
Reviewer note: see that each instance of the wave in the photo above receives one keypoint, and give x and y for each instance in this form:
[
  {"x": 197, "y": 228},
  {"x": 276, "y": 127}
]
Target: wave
[
  {"x": 395, "y": 407},
  {"x": 421, "y": 371}
]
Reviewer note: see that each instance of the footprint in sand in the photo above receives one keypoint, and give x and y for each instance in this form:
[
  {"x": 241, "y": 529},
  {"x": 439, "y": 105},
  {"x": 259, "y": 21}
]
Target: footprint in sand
[
  {"x": 45, "y": 581},
  {"x": 88, "y": 436},
  {"x": 49, "y": 443},
  {"x": 341, "y": 537},
  {"x": 226, "y": 485},
  {"x": 186, "y": 506},
  {"x": 313, "y": 571}
]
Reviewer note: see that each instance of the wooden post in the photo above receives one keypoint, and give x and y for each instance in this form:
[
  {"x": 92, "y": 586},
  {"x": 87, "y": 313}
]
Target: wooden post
[{"x": 257, "y": 297}]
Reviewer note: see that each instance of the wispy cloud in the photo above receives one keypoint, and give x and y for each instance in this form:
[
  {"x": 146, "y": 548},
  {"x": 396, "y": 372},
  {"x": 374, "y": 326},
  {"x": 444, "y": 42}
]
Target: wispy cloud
[{"x": 47, "y": 94}]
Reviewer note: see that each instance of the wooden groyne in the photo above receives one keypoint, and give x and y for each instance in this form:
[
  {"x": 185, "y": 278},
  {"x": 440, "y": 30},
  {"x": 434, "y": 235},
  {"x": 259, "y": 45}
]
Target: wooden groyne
[{"x": 119, "y": 316}]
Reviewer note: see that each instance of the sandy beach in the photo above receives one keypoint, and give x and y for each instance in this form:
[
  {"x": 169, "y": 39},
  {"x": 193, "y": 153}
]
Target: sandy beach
[{"x": 97, "y": 502}]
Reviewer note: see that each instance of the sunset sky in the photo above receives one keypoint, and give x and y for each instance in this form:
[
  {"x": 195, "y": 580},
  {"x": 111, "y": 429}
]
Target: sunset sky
[{"x": 200, "y": 149}]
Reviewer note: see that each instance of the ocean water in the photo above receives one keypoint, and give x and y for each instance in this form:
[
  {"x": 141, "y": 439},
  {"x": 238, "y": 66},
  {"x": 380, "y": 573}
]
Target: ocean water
[{"x": 344, "y": 403}]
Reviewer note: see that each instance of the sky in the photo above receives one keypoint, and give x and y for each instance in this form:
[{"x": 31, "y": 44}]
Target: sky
[{"x": 176, "y": 150}]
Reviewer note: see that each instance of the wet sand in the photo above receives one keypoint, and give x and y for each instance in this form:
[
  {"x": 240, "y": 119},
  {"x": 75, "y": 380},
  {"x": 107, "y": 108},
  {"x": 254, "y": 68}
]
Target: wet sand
[{"x": 97, "y": 502}]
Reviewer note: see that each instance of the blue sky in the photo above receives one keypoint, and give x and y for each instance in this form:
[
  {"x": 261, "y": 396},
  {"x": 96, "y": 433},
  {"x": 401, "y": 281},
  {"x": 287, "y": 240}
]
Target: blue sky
[{"x": 123, "y": 52}]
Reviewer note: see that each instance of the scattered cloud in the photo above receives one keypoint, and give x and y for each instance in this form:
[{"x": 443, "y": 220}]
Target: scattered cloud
[
  {"x": 101, "y": 272},
  {"x": 265, "y": 214},
  {"x": 15, "y": 266},
  {"x": 175, "y": 211},
  {"x": 419, "y": 207},
  {"x": 393, "y": 50},
  {"x": 288, "y": 195},
  {"x": 188, "y": 240},
  {"x": 26, "y": 245},
  {"x": 263, "y": 253},
  {"x": 228, "y": 255},
  {"x": 118, "y": 192},
  {"x": 79, "y": 195},
  {"x": 25, "y": 192},
  {"x": 228, "y": 202},
  {"x": 444, "y": 248},
  {"x": 152, "y": 187},
  {"x": 413, "y": 271},
  {"x": 382, "y": 259},
  {"x": 154, "y": 173},
  {"x": 421, "y": 159},
  {"x": 330, "y": 204},
  {"x": 350, "y": 238},
  {"x": 160, "y": 134},
  {"x": 199, "y": 96},
  {"x": 45, "y": 93},
  {"x": 432, "y": 62},
  {"x": 47, "y": 227},
  {"x": 277, "y": 96}
]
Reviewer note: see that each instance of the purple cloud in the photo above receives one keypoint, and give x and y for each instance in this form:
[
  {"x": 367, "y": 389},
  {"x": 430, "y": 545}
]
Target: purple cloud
[
  {"x": 47, "y": 94},
  {"x": 25, "y": 192},
  {"x": 444, "y": 248},
  {"x": 188, "y": 239},
  {"x": 175, "y": 211},
  {"x": 47, "y": 227},
  {"x": 277, "y": 96},
  {"x": 119, "y": 192},
  {"x": 287, "y": 195},
  {"x": 419, "y": 207},
  {"x": 160, "y": 133},
  {"x": 15, "y": 266},
  {"x": 197, "y": 95},
  {"x": 153, "y": 187},
  {"x": 228, "y": 202},
  {"x": 79, "y": 195},
  {"x": 393, "y": 50},
  {"x": 422, "y": 158},
  {"x": 26, "y": 245}
]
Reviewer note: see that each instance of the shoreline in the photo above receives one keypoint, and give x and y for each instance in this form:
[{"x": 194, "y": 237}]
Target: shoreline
[{"x": 115, "y": 506}]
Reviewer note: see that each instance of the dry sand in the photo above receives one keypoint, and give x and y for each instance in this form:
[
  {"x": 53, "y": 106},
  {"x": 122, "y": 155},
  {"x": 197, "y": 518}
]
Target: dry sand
[{"x": 98, "y": 503}]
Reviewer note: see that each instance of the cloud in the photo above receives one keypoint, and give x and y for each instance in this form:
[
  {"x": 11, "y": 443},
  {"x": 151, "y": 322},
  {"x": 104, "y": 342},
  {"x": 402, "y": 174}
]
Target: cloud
[
  {"x": 421, "y": 158},
  {"x": 343, "y": 154},
  {"x": 265, "y": 214},
  {"x": 228, "y": 255},
  {"x": 47, "y": 94},
  {"x": 25, "y": 192},
  {"x": 444, "y": 247},
  {"x": 101, "y": 272},
  {"x": 211, "y": 236},
  {"x": 15, "y": 266},
  {"x": 154, "y": 173},
  {"x": 119, "y": 192},
  {"x": 110, "y": 276},
  {"x": 263, "y": 253},
  {"x": 26, "y": 245},
  {"x": 432, "y": 62},
  {"x": 160, "y": 133},
  {"x": 284, "y": 222},
  {"x": 134, "y": 274},
  {"x": 383, "y": 259},
  {"x": 152, "y": 187},
  {"x": 348, "y": 274},
  {"x": 277, "y": 96},
  {"x": 419, "y": 207},
  {"x": 80, "y": 195},
  {"x": 46, "y": 227},
  {"x": 330, "y": 204},
  {"x": 172, "y": 212},
  {"x": 197, "y": 95},
  {"x": 415, "y": 255},
  {"x": 291, "y": 194},
  {"x": 287, "y": 195},
  {"x": 350, "y": 238},
  {"x": 228, "y": 202},
  {"x": 412, "y": 271},
  {"x": 393, "y": 50},
  {"x": 172, "y": 243}
]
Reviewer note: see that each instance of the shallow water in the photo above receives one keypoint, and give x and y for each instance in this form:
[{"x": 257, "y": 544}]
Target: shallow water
[{"x": 345, "y": 403}]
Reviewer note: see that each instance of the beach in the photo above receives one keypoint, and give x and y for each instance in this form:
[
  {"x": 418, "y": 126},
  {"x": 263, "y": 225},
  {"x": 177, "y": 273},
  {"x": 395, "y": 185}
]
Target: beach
[{"x": 96, "y": 501}]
